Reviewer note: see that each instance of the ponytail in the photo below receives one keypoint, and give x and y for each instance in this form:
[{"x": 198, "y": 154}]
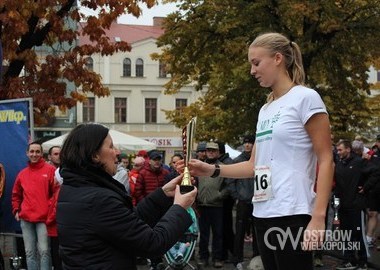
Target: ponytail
[{"x": 296, "y": 71}]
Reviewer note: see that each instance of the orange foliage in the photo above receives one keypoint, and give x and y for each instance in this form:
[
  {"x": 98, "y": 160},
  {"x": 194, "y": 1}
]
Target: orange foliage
[{"x": 39, "y": 56}]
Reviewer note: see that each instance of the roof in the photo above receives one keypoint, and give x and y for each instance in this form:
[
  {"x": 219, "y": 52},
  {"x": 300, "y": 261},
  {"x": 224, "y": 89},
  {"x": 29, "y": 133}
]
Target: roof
[{"x": 127, "y": 32}]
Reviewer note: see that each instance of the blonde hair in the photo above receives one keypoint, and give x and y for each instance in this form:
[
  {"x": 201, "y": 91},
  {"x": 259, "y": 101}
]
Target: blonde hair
[{"x": 276, "y": 42}]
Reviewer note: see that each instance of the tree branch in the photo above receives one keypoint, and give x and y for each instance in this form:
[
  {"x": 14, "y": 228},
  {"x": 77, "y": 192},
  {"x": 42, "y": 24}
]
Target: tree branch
[{"x": 33, "y": 38}]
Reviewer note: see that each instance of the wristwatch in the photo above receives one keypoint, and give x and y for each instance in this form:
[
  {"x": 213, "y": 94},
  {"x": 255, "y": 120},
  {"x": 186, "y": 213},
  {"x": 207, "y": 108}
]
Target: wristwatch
[{"x": 216, "y": 171}]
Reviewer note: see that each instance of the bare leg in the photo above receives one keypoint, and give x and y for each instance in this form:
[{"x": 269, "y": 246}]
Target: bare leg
[{"x": 372, "y": 223}]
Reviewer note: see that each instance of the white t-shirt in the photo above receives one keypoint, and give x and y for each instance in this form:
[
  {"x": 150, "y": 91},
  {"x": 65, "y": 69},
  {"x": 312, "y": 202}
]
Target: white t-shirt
[{"x": 283, "y": 144}]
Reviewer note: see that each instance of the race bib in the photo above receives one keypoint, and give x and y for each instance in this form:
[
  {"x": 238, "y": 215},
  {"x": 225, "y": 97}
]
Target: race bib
[{"x": 263, "y": 184}]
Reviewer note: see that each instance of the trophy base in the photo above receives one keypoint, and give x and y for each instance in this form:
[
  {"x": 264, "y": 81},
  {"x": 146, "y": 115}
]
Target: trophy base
[{"x": 185, "y": 189}]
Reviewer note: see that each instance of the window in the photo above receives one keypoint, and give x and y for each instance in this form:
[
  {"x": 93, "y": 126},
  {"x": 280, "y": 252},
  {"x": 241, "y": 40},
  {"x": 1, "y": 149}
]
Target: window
[
  {"x": 139, "y": 68},
  {"x": 89, "y": 63},
  {"x": 120, "y": 110},
  {"x": 150, "y": 110},
  {"x": 127, "y": 67},
  {"x": 89, "y": 110},
  {"x": 378, "y": 75},
  {"x": 179, "y": 104},
  {"x": 162, "y": 70}
]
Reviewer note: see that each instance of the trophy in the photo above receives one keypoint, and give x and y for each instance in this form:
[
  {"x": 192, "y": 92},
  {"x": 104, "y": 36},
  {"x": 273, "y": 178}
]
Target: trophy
[
  {"x": 188, "y": 134},
  {"x": 336, "y": 220}
]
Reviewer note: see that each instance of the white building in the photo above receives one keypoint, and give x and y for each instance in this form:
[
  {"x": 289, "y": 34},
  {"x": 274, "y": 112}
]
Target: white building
[{"x": 136, "y": 88}]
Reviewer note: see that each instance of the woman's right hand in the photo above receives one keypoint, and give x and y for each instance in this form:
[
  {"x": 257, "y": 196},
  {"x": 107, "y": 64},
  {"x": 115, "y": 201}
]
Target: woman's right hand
[
  {"x": 200, "y": 168},
  {"x": 185, "y": 200}
]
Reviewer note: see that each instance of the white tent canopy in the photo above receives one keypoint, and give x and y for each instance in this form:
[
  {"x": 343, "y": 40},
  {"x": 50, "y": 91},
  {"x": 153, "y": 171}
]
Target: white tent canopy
[
  {"x": 233, "y": 153},
  {"x": 121, "y": 140}
]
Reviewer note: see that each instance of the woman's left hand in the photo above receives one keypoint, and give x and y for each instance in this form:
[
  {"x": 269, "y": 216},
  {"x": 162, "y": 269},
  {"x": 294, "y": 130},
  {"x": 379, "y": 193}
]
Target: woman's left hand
[
  {"x": 169, "y": 188},
  {"x": 314, "y": 234}
]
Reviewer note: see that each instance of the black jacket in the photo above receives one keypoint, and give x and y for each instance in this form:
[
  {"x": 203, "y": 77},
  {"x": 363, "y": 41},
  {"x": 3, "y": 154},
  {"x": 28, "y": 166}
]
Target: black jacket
[
  {"x": 98, "y": 228},
  {"x": 243, "y": 189},
  {"x": 349, "y": 177},
  {"x": 225, "y": 159},
  {"x": 228, "y": 183},
  {"x": 371, "y": 173}
]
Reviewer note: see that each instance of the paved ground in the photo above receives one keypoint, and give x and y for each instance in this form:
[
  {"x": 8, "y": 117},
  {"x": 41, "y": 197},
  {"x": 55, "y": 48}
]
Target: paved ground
[
  {"x": 331, "y": 260},
  {"x": 330, "y": 263}
]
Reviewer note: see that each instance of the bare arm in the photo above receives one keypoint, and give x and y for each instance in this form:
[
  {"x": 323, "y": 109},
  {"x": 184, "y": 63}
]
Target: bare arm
[
  {"x": 318, "y": 128},
  {"x": 237, "y": 170}
]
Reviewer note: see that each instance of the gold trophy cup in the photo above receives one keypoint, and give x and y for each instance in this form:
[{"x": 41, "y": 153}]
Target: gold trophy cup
[{"x": 188, "y": 134}]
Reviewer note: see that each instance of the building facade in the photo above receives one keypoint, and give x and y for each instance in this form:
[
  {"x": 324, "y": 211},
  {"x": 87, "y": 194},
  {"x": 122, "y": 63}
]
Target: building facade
[{"x": 137, "y": 100}]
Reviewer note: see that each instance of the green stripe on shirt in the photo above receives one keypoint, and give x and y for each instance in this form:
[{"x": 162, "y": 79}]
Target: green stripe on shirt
[{"x": 264, "y": 133}]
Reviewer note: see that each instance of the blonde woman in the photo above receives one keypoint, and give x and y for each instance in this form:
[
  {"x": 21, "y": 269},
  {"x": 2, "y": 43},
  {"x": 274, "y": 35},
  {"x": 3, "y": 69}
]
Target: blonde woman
[{"x": 292, "y": 135}]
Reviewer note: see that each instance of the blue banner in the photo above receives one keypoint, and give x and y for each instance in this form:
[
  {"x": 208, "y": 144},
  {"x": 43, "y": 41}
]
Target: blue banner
[{"x": 14, "y": 121}]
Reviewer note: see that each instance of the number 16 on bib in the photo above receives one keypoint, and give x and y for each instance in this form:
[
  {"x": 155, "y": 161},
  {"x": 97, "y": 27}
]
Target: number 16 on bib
[{"x": 263, "y": 184}]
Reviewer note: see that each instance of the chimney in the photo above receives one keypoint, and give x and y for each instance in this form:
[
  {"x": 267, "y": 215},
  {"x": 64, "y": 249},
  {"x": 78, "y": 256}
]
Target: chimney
[{"x": 157, "y": 21}]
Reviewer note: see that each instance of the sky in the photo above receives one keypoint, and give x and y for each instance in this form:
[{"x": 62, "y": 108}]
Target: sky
[
  {"x": 146, "y": 18},
  {"x": 160, "y": 10}
]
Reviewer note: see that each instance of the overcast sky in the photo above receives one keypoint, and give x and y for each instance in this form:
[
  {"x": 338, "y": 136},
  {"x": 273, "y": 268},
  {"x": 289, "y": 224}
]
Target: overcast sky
[{"x": 146, "y": 18}]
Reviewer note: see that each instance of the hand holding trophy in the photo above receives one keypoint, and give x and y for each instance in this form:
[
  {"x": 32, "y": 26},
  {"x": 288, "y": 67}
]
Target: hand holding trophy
[{"x": 188, "y": 134}]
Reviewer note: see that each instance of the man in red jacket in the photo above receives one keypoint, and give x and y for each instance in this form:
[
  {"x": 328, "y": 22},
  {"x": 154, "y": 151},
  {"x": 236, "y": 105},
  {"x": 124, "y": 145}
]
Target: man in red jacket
[
  {"x": 151, "y": 176},
  {"x": 31, "y": 193}
]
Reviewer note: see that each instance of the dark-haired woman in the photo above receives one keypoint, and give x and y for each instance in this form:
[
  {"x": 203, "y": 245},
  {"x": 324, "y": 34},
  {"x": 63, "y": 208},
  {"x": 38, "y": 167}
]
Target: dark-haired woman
[{"x": 98, "y": 227}]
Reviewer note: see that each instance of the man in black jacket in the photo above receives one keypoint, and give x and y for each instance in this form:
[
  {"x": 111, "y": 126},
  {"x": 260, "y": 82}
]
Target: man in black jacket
[
  {"x": 242, "y": 192},
  {"x": 349, "y": 180},
  {"x": 228, "y": 204}
]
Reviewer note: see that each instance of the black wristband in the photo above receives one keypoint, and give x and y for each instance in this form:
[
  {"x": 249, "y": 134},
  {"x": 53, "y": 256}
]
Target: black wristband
[{"x": 216, "y": 172}]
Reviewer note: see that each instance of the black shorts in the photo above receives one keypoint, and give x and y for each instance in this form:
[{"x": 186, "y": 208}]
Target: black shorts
[{"x": 373, "y": 201}]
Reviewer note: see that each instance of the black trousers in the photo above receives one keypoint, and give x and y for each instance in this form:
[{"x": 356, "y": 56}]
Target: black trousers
[
  {"x": 277, "y": 254},
  {"x": 242, "y": 224},
  {"x": 54, "y": 251},
  {"x": 1, "y": 261},
  {"x": 228, "y": 232},
  {"x": 211, "y": 219},
  {"x": 352, "y": 221}
]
